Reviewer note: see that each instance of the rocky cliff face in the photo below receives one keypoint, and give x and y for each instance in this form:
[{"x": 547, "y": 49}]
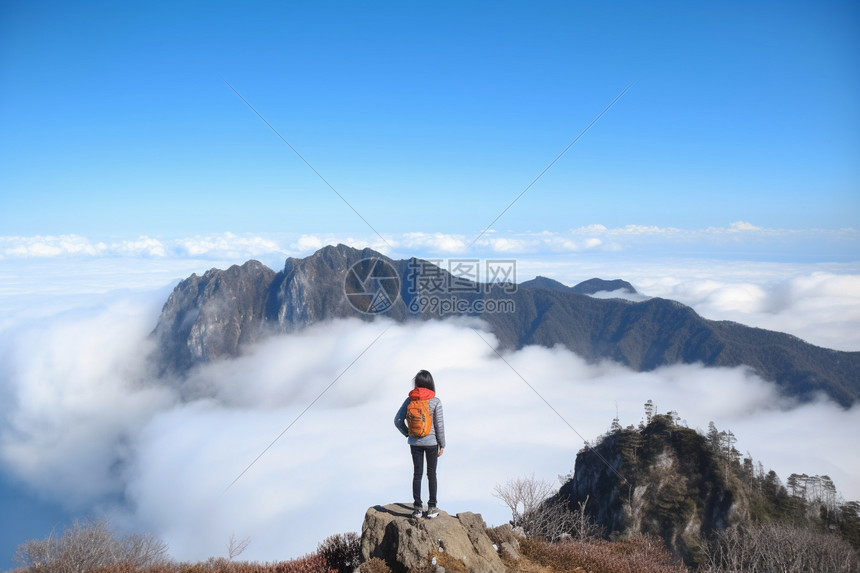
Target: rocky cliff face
[
  {"x": 211, "y": 317},
  {"x": 406, "y": 543},
  {"x": 662, "y": 480},
  {"x": 311, "y": 290}
]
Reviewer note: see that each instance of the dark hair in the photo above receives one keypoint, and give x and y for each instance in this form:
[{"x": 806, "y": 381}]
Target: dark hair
[{"x": 424, "y": 380}]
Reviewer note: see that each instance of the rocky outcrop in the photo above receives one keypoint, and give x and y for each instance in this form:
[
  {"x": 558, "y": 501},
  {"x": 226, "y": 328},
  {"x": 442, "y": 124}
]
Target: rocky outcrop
[
  {"x": 406, "y": 543},
  {"x": 311, "y": 290},
  {"x": 210, "y": 317},
  {"x": 662, "y": 480}
]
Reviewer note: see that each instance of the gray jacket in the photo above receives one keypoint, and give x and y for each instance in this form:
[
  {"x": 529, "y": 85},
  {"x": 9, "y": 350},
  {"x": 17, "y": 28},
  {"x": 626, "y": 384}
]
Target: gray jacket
[{"x": 436, "y": 437}]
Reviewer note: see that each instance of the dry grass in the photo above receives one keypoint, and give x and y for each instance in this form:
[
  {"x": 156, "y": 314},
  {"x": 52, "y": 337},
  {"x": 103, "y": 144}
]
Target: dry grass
[
  {"x": 451, "y": 564},
  {"x": 375, "y": 565},
  {"x": 526, "y": 566},
  {"x": 636, "y": 555},
  {"x": 314, "y": 563}
]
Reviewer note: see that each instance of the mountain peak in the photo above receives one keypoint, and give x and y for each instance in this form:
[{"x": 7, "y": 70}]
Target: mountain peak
[
  {"x": 333, "y": 256},
  {"x": 592, "y": 286},
  {"x": 214, "y": 316},
  {"x": 541, "y": 282}
]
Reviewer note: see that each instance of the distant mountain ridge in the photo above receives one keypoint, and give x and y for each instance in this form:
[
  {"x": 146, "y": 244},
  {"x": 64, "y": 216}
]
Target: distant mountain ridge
[
  {"x": 591, "y": 286},
  {"x": 214, "y": 316}
]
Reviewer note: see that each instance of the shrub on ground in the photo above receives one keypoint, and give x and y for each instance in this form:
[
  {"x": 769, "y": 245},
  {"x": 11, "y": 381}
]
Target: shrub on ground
[
  {"x": 313, "y": 563},
  {"x": 87, "y": 546},
  {"x": 639, "y": 554},
  {"x": 342, "y": 552},
  {"x": 779, "y": 548}
]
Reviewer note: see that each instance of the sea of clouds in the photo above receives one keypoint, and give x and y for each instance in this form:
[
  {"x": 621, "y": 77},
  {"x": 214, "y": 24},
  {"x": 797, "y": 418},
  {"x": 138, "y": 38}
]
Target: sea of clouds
[{"x": 84, "y": 423}]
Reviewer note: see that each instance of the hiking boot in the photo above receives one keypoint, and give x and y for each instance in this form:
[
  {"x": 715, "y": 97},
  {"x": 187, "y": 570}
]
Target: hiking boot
[
  {"x": 431, "y": 512},
  {"x": 417, "y": 510}
]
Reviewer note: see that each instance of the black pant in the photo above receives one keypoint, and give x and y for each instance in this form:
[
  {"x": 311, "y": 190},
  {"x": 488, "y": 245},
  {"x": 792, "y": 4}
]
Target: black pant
[{"x": 418, "y": 453}]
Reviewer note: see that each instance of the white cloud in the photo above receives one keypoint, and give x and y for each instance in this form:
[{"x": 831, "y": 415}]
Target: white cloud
[
  {"x": 227, "y": 245},
  {"x": 216, "y": 246},
  {"x": 591, "y": 229},
  {"x": 741, "y": 238},
  {"x": 81, "y": 423},
  {"x": 142, "y": 247},
  {"x": 817, "y": 302},
  {"x": 437, "y": 242},
  {"x": 741, "y": 226},
  {"x": 308, "y": 243},
  {"x": 642, "y": 230},
  {"x": 504, "y": 245},
  {"x": 73, "y": 394},
  {"x": 344, "y": 455},
  {"x": 821, "y": 307},
  {"x": 533, "y": 243},
  {"x": 49, "y": 246},
  {"x": 76, "y": 404},
  {"x": 622, "y": 294}
]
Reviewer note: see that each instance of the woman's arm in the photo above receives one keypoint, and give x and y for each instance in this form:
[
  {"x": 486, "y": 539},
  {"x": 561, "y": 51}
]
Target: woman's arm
[
  {"x": 400, "y": 419},
  {"x": 439, "y": 426}
]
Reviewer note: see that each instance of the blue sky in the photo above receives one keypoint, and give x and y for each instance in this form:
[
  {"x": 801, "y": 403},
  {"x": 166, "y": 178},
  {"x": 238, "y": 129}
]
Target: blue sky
[{"x": 427, "y": 118}]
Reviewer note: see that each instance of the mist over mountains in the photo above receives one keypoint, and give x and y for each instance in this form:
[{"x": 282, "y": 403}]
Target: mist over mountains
[
  {"x": 216, "y": 315},
  {"x": 88, "y": 425}
]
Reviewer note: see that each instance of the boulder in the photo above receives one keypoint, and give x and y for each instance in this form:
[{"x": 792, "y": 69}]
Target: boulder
[
  {"x": 406, "y": 543},
  {"x": 507, "y": 539},
  {"x": 510, "y": 551}
]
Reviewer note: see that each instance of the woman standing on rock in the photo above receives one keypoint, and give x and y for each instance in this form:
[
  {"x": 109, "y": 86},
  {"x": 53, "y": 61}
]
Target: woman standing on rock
[{"x": 420, "y": 419}]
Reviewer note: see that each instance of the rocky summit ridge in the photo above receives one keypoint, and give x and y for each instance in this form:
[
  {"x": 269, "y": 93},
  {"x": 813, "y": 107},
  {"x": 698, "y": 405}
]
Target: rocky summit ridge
[{"x": 216, "y": 315}]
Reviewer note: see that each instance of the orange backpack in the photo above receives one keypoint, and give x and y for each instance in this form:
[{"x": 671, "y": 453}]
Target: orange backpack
[{"x": 419, "y": 422}]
